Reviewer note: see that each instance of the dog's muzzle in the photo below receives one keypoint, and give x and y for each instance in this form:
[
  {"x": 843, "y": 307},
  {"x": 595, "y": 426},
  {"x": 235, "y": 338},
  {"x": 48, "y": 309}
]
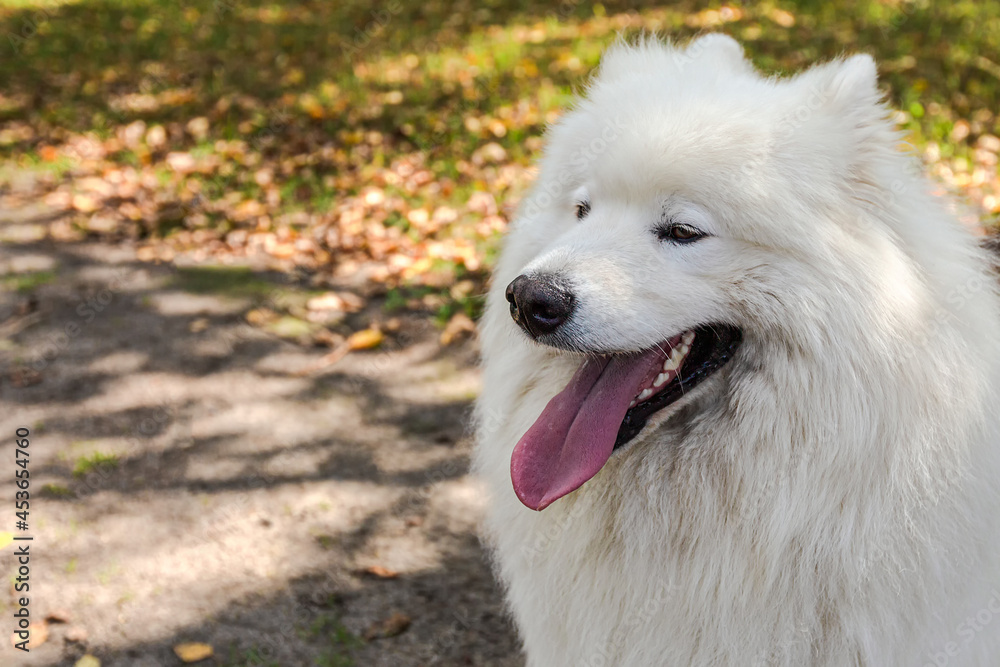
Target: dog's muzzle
[{"x": 539, "y": 304}]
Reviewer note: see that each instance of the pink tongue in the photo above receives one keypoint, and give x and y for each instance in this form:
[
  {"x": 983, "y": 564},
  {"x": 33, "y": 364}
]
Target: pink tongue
[{"x": 575, "y": 434}]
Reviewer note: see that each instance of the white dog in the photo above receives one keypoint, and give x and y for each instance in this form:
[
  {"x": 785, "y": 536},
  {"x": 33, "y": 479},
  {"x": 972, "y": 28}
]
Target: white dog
[{"x": 749, "y": 369}]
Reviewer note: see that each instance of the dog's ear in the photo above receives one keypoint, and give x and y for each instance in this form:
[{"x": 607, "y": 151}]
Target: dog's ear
[
  {"x": 844, "y": 90},
  {"x": 838, "y": 120},
  {"x": 723, "y": 48},
  {"x": 840, "y": 101},
  {"x": 849, "y": 83},
  {"x": 710, "y": 55}
]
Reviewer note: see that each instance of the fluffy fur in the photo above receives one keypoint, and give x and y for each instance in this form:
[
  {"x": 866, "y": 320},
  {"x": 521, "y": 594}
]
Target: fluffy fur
[{"x": 828, "y": 498}]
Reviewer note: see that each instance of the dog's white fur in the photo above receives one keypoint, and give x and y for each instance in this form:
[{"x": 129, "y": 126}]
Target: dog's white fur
[{"x": 828, "y": 498}]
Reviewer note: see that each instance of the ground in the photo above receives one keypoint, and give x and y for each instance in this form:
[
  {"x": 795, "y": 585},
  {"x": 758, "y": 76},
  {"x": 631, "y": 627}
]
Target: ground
[
  {"x": 244, "y": 245},
  {"x": 192, "y": 486}
]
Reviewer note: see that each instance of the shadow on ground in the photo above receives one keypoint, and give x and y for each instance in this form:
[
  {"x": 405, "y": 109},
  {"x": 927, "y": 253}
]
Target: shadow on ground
[{"x": 189, "y": 484}]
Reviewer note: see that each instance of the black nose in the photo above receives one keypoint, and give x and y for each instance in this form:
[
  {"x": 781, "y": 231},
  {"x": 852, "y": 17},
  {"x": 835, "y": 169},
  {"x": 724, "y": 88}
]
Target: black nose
[{"x": 538, "y": 304}]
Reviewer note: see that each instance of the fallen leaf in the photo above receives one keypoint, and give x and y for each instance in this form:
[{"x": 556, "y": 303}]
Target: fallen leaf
[
  {"x": 156, "y": 136},
  {"x": 87, "y": 661},
  {"x": 198, "y": 325},
  {"x": 259, "y": 316},
  {"x": 5, "y": 538},
  {"x": 132, "y": 134},
  {"x": 328, "y": 301},
  {"x": 77, "y": 634},
  {"x": 198, "y": 127},
  {"x": 366, "y": 339},
  {"x": 289, "y": 327},
  {"x": 395, "y": 624},
  {"x": 282, "y": 250},
  {"x": 85, "y": 203},
  {"x": 48, "y": 153},
  {"x": 352, "y": 302},
  {"x": 458, "y": 325},
  {"x": 379, "y": 571},
  {"x": 38, "y": 634},
  {"x": 58, "y": 616},
  {"x": 193, "y": 652},
  {"x": 180, "y": 162},
  {"x": 783, "y": 18},
  {"x": 25, "y": 377}
]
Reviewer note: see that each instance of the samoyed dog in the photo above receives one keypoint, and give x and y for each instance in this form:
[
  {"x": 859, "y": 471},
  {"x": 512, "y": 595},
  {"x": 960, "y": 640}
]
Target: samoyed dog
[{"x": 741, "y": 381}]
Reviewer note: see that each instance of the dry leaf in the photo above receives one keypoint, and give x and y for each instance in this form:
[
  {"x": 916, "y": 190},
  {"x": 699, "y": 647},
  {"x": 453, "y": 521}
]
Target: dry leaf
[
  {"x": 193, "y": 652},
  {"x": 76, "y": 634},
  {"x": 38, "y": 634},
  {"x": 352, "y": 302},
  {"x": 365, "y": 339},
  {"x": 380, "y": 572},
  {"x": 25, "y": 377},
  {"x": 87, "y": 661},
  {"x": 259, "y": 316},
  {"x": 180, "y": 162},
  {"x": 49, "y": 153},
  {"x": 328, "y": 301},
  {"x": 156, "y": 136},
  {"x": 85, "y": 203},
  {"x": 58, "y": 616},
  {"x": 5, "y": 538},
  {"x": 396, "y": 624},
  {"x": 459, "y": 324}
]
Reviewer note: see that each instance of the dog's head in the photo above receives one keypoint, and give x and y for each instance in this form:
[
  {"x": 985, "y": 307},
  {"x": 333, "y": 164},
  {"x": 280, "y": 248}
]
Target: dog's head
[{"x": 685, "y": 206}]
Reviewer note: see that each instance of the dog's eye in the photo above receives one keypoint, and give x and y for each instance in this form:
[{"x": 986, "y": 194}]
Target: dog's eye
[
  {"x": 582, "y": 209},
  {"x": 679, "y": 233}
]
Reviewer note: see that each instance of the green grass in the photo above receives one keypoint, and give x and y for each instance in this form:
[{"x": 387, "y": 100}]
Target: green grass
[
  {"x": 291, "y": 327},
  {"x": 252, "y": 657},
  {"x": 223, "y": 280},
  {"x": 28, "y": 282},
  {"x": 111, "y": 571},
  {"x": 340, "y": 641},
  {"x": 56, "y": 491},
  {"x": 95, "y": 461}
]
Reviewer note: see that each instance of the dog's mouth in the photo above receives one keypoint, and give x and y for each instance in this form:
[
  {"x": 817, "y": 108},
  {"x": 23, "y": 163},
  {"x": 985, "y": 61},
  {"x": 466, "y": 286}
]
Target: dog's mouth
[{"x": 606, "y": 404}]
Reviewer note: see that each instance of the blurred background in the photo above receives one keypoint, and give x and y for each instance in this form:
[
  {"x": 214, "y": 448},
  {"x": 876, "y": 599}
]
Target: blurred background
[{"x": 244, "y": 247}]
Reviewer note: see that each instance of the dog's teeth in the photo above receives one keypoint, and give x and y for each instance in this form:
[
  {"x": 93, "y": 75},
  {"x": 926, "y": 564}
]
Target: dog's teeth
[
  {"x": 645, "y": 393},
  {"x": 688, "y": 338},
  {"x": 684, "y": 350},
  {"x": 674, "y": 362},
  {"x": 632, "y": 404},
  {"x": 660, "y": 379}
]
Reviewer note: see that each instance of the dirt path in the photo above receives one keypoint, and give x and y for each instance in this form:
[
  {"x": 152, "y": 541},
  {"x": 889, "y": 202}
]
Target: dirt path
[{"x": 188, "y": 486}]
